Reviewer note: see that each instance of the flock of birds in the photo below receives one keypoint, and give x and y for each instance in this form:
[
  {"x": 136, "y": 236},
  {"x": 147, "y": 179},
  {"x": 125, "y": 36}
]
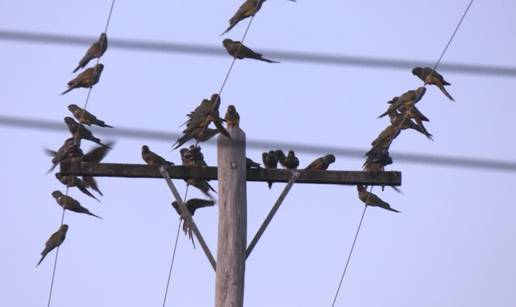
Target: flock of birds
[{"x": 402, "y": 112}]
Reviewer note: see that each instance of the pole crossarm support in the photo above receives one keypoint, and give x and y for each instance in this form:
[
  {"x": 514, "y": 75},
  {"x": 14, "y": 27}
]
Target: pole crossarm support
[
  {"x": 188, "y": 217},
  {"x": 271, "y": 214},
  {"x": 390, "y": 178}
]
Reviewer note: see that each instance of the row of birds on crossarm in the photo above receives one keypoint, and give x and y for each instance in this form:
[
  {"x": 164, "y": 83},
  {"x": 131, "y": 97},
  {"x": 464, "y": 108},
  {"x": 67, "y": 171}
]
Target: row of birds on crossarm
[{"x": 403, "y": 115}]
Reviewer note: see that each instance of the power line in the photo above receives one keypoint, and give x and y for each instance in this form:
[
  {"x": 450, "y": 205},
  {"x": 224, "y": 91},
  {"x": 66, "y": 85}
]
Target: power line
[
  {"x": 437, "y": 63},
  {"x": 76, "y": 137},
  {"x": 293, "y": 56},
  {"x": 162, "y": 136}
]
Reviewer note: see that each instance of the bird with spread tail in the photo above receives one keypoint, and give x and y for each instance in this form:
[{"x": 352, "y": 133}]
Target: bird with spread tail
[
  {"x": 191, "y": 205},
  {"x": 70, "y": 149},
  {"x": 55, "y": 240},
  {"x": 96, "y": 50},
  {"x": 240, "y": 51}
]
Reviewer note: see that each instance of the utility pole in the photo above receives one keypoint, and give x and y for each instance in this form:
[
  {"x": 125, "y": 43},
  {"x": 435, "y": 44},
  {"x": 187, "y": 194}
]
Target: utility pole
[
  {"x": 232, "y": 174},
  {"x": 232, "y": 237}
]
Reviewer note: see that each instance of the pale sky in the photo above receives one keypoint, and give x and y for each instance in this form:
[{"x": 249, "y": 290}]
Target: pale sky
[{"x": 452, "y": 245}]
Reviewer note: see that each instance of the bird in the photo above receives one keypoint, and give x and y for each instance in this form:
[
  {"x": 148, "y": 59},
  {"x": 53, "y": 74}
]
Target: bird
[
  {"x": 96, "y": 50},
  {"x": 90, "y": 182},
  {"x": 376, "y": 160},
  {"x": 70, "y": 149},
  {"x": 73, "y": 181},
  {"x": 291, "y": 161},
  {"x": 87, "y": 78},
  {"x": 399, "y": 120},
  {"x": 321, "y": 163},
  {"x": 85, "y": 117},
  {"x": 199, "y": 120},
  {"x": 240, "y": 51},
  {"x": 250, "y": 164},
  {"x": 97, "y": 154},
  {"x": 232, "y": 118},
  {"x": 69, "y": 203},
  {"x": 152, "y": 158},
  {"x": 270, "y": 160},
  {"x": 430, "y": 76},
  {"x": 191, "y": 205},
  {"x": 386, "y": 136},
  {"x": 247, "y": 9},
  {"x": 55, "y": 240},
  {"x": 79, "y": 131},
  {"x": 194, "y": 158},
  {"x": 370, "y": 199}
]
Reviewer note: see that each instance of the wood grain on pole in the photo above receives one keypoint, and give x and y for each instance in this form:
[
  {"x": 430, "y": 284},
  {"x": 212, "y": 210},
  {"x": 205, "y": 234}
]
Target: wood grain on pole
[
  {"x": 229, "y": 286},
  {"x": 390, "y": 178}
]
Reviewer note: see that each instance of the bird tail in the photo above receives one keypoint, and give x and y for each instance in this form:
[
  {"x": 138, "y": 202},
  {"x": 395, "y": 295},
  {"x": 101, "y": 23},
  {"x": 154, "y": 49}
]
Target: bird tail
[
  {"x": 69, "y": 89},
  {"x": 41, "y": 260},
  {"x": 95, "y": 215},
  {"x": 393, "y": 210},
  {"x": 101, "y": 123},
  {"x": 85, "y": 191},
  {"x": 231, "y": 25},
  {"x": 267, "y": 60},
  {"x": 445, "y": 92}
]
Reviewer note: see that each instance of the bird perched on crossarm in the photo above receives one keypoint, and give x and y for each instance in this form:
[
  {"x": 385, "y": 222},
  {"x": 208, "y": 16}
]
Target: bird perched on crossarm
[
  {"x": 152, "y": 158},
  {"x": 321, "y": 163},
  {"x": 270, "y": 160},
  {"x": 96, "y": 50}
]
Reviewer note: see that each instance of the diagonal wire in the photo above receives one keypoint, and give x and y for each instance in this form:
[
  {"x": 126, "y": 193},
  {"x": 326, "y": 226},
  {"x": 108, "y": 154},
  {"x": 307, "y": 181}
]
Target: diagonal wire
[
  {"x": 173, "y": 254},
  {"x": 55, "y": 263},
  {"x": 350, "y": 254},
  {"x": 438, "y": 62},
  {"x": 76, "y": 137}
]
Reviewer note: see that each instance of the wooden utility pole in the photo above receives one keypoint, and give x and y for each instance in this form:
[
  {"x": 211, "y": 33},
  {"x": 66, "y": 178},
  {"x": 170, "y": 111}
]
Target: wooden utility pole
[
  {"x": 231, "y": 161},
  {"x": 232, "y": 174}
]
